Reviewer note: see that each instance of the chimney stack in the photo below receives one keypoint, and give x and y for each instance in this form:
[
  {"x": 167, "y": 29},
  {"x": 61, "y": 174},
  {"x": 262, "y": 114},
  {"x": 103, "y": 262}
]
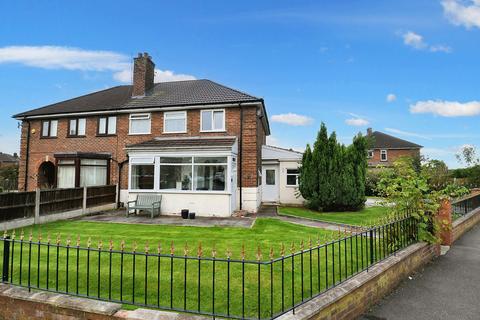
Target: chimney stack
[
  {"x": 143, "y": 74},
  {"x": 369, "y": 131}
]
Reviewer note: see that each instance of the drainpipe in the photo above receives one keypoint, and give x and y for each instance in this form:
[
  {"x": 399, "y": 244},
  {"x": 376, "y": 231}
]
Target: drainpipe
[
  {"x": 120, "y": 167},
  {"x": 240, "y": 156},
  {"x": 27, "y": 153}
]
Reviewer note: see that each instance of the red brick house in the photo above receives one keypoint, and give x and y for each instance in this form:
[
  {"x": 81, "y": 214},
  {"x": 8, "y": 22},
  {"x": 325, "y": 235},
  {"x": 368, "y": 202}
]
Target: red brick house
[
  {"x": 196, "y": 142},
  {"x": 385, "y": 149}
]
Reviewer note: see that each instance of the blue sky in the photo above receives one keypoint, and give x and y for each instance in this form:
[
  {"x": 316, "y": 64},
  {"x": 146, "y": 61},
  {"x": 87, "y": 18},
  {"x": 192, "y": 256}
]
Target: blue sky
[{"x": 409, "y": 68}]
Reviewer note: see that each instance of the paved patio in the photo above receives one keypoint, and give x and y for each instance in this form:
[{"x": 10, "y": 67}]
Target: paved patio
[{"x": 118, "y": 216}]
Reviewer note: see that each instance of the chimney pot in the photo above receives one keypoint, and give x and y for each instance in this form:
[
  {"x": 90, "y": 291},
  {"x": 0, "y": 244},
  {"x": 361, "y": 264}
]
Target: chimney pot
[{"x": 369, "y": 131}]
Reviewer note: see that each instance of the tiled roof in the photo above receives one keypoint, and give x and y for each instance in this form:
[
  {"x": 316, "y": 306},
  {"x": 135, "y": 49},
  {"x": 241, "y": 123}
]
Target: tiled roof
[
  {"x": 187, "y": 142},
  {"x": 382, "y": 140},
  {"x": 164, "y": 94},
  {"x": 5, "y": 157}
]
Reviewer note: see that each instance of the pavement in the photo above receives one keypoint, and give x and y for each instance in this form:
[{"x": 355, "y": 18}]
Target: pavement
[{"x": 447, "y": 288}]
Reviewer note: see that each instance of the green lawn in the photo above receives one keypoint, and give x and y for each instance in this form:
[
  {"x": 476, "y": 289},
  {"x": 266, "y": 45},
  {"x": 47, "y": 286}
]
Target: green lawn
[
  {"x": 363, "y": 217},
  {"x": 148, "y": 279}
]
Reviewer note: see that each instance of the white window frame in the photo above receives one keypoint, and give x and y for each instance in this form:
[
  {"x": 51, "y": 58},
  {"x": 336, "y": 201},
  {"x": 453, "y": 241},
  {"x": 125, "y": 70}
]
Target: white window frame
[
  {"x": 139, "y": 116},
  {"x": 291, "y": 174},
  {"x": 212, "y": 111},
  {"x": 175, "y": 118},
  {"x": 155, "y": 160},
  {"x": 370, "y": 154},
  {"x": 383, "y": 152}
]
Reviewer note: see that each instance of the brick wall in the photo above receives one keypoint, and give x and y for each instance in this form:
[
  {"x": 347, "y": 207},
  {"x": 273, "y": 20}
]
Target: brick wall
[
  {"x": 465, "y": 223},
  {"x": 42, "y": 149},
  {"x": 392, "y": 155}
]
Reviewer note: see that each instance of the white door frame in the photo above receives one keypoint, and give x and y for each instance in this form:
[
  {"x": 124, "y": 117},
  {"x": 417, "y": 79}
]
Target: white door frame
[{"x": 271, "y": 192}]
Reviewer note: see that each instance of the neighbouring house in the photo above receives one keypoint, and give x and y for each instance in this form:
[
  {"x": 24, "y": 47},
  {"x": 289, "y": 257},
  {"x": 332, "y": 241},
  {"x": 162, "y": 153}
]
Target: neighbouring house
[
  {"x": 385, "y": 149},
  {"x": 280, "y": 170},
  {"x": 8, "y": 160},
  {"x": 196, "y": 142}
]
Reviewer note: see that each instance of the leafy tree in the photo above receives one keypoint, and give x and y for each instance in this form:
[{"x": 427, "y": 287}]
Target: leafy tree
[
  {"x": 468, "y": 155},
  {"x": 332, "y": 176},
  {"x": 436, "y": 172}
]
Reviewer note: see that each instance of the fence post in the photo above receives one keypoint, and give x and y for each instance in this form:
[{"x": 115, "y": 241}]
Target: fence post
[
  {"x": 84, "y": 204},
  {"x": 6, "y": 256},
  {"x": 37, "y": 206},
  {"x": 372, "y": 254}
]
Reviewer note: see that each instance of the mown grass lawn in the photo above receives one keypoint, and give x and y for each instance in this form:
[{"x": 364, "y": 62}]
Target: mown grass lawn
[
  {"x": 363, "y": 217},
  {"x": 176, "y": 283}
]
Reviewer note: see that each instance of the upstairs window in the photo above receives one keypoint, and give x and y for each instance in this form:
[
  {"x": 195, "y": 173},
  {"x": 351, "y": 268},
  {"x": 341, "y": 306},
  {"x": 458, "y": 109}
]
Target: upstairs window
[
  {"x": 107, "y": 126},
  {"x": 292, "y": 177},
  {"x": 49, "y": 128},
  {"x": 383, "y": 155},
  {"x": 140, "y": 123},
  {"x": 77, "y": 127},
  {"x": 213, "y": 120},
  {"x": 175, "y": 122}
]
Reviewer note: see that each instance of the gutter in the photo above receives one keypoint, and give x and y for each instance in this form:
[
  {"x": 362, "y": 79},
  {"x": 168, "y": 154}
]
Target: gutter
[{"x": 240, "y": 156}]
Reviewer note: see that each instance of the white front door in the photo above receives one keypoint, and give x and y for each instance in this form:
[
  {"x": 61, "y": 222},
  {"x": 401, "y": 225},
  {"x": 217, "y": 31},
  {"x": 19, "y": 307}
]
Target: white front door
[{"x": 270, "y": 183}]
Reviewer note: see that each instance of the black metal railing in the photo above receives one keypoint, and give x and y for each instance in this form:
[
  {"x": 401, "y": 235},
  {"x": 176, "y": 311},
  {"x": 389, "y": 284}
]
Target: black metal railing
[
  {"x": 463, "y": 206},
  {"x": 197, "y": 283}
]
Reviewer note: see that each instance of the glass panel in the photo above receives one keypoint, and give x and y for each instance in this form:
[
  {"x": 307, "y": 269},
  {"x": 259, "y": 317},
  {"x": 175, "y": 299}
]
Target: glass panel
[
  {"x": 206, "y": 120},
  {"x": 45, "y": 126},
  {"x": 176, "y": 177},
  {"x": 270, "y": 177},
  {"x": 210, "y": 159},
  {"x": 53, "y": 128},
  {"x": 82, "y": 123},
  {"x": 93, "y": 176},
  {"x": 218, "y": 120},
  {"x": 98, "y": 162},
  {"x": 73, "y": 127},
  {"x": 210, "y": 178},
  {"x": 176, "y": 160},
  {"x": 112, "y": 125},
  {"x": 291, "y": 180},
  {"x": 102, "y": 126},
  {"x": 174, "y": 125},
  {"x": 142, "y": 177},
  {"x": 66, "y": 161},
  {"x": 66, "y": 177},
  {"x": 139, "y": 126}
]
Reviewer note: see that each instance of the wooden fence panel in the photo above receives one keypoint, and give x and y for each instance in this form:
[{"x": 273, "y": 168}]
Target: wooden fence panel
[
  {"x": 101, "y": 195},
  {"x": 16, "y": 205},
  {"x": 60, "y": 200}
]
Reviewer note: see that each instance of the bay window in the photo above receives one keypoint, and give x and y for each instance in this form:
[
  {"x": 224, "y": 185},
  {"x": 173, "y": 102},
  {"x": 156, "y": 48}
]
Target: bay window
[
  {"x": 176, "y": 173},
  {"x": 213, "y": 120},
  {"x": 93, "y": 172},
  {"x": 140, "y": 123},
  {"x": 82, "y": 170},
  {"x": 66, "y": 174},
  {"x": 175, "y": 122}
]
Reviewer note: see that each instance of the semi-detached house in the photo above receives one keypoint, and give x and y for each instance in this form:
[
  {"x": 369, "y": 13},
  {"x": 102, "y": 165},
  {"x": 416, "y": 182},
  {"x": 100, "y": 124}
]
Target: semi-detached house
[{"x": 196, "y": 142}]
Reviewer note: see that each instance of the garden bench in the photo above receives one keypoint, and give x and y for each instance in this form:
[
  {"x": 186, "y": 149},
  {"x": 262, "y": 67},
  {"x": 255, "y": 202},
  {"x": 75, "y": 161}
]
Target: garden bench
[{"x": 146, "y": 202}]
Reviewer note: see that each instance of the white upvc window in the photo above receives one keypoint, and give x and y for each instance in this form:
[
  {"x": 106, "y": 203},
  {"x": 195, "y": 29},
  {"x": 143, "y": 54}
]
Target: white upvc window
[
  {"x": 180, "y": 173},
  {"x": 383, "y": 155},
  {"x": 212, "y": 120},
  {"x": 140, "y": 123},
  {"x": 175, "y": 122},
  {"x": 292, "y": 177}
]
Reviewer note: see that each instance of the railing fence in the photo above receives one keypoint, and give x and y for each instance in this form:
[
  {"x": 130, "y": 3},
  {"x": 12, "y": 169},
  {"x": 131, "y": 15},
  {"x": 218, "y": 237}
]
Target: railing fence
[
  {"x": 466, "y": 205},
  {"x": 197, "y": 282}
]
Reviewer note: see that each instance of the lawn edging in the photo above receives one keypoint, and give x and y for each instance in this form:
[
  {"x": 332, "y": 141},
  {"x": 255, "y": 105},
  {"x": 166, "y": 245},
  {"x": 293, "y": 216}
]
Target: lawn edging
[{"x": 357, "y": 295}]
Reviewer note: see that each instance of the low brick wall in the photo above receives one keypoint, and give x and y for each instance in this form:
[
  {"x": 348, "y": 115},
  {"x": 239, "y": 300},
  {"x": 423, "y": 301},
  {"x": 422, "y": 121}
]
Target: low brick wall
[
  {"x": 465, "y": 223},
  {"x": 354, "y": 297}
]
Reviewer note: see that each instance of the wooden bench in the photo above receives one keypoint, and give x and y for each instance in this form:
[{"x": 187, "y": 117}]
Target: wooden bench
[{"x": 146, "y": 202}]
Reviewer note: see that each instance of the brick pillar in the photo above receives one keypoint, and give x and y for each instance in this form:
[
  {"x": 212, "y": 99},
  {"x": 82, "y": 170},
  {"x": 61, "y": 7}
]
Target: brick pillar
[{"x": 444, "y": 217}]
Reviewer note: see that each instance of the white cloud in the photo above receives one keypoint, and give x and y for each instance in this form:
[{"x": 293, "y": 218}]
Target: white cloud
[
  {"x": 292, "y": 119},
  {"x": 69, "y": 58},
  {"x": 357, "y": 122},
  {"x": 414, "y": 40},
  {"x": 407, "y": 133},
  {"x": 417, "y": 42},
  {"x": 462, "y": 13},
  {"x": 447, "y": 108},
  {"x": 391, "y": 97}
]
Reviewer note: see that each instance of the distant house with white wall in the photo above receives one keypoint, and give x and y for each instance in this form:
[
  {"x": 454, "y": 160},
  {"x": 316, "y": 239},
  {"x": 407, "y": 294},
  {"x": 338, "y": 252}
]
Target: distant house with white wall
[{"x": 280, "y": 170}]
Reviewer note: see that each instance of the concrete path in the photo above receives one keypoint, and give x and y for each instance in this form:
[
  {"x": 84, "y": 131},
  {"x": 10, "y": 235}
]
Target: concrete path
[{"x": 448, "y": 288}]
